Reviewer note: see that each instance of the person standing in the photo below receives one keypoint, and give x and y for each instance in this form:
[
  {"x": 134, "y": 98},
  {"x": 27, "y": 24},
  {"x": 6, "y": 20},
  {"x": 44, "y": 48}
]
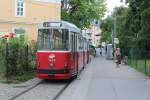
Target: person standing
[
  {"x": 100, "y": 51},
  {"x": 117, "y": 57}
]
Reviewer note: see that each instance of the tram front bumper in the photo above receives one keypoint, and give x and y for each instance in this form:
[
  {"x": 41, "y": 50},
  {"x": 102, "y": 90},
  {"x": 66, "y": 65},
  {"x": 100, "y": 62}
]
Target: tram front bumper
[{"x": 54, "y": 74}]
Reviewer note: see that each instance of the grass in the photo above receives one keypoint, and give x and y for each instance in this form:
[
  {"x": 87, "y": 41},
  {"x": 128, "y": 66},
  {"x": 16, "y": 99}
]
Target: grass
[
  {"x": 20, "y": 78},
  {"x": 23, "y": 77},
  {"x": 141, "y": 65}
]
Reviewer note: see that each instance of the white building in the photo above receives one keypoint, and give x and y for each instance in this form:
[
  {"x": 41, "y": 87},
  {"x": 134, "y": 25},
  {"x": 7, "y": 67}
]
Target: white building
[{"x": 93, "y": 34}]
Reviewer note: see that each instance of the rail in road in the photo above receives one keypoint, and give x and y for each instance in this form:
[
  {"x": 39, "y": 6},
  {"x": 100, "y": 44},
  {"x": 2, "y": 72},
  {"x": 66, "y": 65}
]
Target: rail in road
[
  {"x": 62, "y": 90},
  {"x": 16, "y": 96},
  {"x": 56, "y": 88}
]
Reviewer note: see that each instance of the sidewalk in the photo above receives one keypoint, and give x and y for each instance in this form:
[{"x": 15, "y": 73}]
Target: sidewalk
[{"x": 101, "y": 80}]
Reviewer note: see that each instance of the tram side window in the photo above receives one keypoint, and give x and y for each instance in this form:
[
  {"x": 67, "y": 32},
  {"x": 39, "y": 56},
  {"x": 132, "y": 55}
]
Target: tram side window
[
  {"x": 44, "y": 37},
  {"x": 72, "y": 43},
  {"x": 80, "y": 43},
  {"x": 85, "y": 45},
  {"x": 61, "y": 39},
  {"x": 79, "y": 39}
]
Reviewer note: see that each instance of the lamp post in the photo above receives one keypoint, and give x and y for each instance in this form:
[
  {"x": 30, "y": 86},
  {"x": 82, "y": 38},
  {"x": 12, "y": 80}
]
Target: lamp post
[{"x": 114, "y": 32}]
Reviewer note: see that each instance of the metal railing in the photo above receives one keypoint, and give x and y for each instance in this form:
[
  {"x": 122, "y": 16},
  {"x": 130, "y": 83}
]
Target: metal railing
[
  {"x": 139, "y": 59},
  {"x": 16, "y": 60}
]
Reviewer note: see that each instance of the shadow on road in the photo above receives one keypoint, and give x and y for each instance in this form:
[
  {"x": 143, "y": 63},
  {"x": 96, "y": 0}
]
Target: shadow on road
[{"x": 58, "y": 82}]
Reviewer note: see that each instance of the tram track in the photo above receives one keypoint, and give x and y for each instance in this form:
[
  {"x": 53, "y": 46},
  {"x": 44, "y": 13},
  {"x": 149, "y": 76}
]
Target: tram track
[
  {"x": 25, "y": 91},
  {"x": 62, "y": 90},
  {"x": 55, "y": 97},
  {"x": 67, "y": 85}
]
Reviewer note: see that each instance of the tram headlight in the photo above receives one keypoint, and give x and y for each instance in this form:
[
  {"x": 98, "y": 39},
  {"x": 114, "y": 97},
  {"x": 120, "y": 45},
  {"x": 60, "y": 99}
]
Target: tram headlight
[{"x": 38, "y": 64}]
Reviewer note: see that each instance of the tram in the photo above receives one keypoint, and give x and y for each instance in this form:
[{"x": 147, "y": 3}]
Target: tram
[{"x": 61, "y": 51}]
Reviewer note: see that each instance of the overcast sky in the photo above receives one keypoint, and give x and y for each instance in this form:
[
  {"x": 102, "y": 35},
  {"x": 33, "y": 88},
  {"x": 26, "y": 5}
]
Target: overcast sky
[{"x": 112, "y": 4}]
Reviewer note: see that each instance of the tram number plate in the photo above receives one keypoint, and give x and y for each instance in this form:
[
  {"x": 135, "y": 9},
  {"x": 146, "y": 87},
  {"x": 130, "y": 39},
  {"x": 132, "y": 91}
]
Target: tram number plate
[
  {"x": 52, "y": 72},
  {"x": 51, "y": 75}
]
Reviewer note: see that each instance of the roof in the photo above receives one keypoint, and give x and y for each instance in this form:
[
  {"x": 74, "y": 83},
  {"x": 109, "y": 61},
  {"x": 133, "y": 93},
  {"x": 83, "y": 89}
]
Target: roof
[
  {"x": 63, "y": 25},
  {"x": 49, "y": 1}
]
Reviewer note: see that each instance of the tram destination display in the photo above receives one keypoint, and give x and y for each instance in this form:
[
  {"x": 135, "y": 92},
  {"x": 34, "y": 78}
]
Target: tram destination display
[{"x": 52, "y": 24}]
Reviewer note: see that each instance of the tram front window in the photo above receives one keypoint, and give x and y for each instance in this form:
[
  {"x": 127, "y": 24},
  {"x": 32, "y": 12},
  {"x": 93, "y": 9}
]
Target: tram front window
[{"x": 53, "y": 39}]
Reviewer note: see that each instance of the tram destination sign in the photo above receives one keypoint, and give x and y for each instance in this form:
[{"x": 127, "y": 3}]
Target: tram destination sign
[{"x": 52, "y": 24}]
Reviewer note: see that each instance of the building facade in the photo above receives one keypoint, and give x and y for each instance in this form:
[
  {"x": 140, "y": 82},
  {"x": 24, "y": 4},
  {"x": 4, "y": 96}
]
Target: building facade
[
  {"x": 93, "y": 34},
  {"x": 23, "y": 16},
  {"x": 96, "y": 35}
]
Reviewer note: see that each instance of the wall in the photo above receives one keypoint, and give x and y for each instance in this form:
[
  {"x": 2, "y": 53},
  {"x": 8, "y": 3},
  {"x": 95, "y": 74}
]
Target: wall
[{"x": 34, "y": 11}]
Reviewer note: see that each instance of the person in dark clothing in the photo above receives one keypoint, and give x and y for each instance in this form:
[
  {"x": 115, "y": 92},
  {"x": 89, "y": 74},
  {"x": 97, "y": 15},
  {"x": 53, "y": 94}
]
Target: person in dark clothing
[{"x": 100, "y": 51}]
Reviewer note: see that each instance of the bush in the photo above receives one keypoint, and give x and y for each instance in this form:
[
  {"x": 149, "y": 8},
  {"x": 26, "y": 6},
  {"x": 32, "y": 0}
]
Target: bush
[
  {"x": 2, "y": 57},
  {"x": 17, "y": 56}
]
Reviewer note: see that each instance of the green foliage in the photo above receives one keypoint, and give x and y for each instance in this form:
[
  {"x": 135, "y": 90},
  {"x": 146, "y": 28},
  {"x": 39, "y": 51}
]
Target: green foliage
[
  {"x": 17, "y": 57},
  {"x": 145, "y": 29},
  {"x": 2, "y": 58},
  {"x": 24, "y": 77},
  {"x": 11, "y": 57},
  {"x": 83, "y": 12},
  {"x": 107, "y": 29},
  {"x": 139, "y": 18},
  {"x": 133, "y": 24}
]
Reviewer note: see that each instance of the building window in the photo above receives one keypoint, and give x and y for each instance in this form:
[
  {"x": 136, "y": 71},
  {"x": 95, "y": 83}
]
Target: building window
[
  {"x": 20, "y": 8},
  {"x": 19, "y": 31}
]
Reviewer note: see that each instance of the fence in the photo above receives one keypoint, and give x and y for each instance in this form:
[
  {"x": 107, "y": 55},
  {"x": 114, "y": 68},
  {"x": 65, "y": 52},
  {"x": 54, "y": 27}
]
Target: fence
[
  {"x": 139, "y": 59},
  {"x": 16, "y": 59}
]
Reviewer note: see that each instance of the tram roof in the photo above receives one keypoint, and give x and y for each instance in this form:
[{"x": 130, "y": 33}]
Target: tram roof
[{"x": 59, "y": 24}]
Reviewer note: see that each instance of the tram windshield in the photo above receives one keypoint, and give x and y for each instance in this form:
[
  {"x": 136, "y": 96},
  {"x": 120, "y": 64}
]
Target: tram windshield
[{"x": 53, "y": 39}]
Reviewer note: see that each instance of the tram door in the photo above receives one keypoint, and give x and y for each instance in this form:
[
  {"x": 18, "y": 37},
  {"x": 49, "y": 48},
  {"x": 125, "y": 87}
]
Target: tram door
[{"x": 74, "y": 51}]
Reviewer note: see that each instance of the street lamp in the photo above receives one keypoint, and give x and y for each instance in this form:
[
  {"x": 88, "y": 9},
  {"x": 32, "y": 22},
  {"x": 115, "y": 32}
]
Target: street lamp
[{"x": 114, "y": 31}]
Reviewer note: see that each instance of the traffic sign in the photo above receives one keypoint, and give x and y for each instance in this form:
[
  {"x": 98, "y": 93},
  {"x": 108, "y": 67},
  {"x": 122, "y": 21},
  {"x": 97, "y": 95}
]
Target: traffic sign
[{"x": 116, "y": 40}]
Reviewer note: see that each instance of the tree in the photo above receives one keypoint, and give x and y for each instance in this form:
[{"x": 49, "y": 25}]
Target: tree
[
  {"x": 83, "y": 12},
  {"x": 145, "y": 25},
  {"x": 107, "y": 29},
  {"x": 133, "y": 24}
]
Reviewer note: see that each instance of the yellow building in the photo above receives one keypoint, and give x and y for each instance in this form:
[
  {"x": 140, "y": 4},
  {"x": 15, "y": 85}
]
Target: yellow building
[{"x": 23, "y": 16}]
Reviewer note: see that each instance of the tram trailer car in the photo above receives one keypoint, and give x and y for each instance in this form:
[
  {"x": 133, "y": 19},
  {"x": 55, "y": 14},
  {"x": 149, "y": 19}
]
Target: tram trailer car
[
  {"x": 60, "y": 52},
  {"x": 88, "y": 51},
  {"x": 85, "y": 52}
]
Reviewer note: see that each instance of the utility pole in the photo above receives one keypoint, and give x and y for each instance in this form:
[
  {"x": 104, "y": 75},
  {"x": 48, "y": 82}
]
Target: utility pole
[
  {"x": 113, "y": 40},
  {"x": 114, "y": 31}
]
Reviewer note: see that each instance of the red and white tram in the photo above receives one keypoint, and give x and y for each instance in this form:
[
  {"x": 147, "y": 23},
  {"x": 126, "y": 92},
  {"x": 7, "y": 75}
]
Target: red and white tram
[{"x": 61, "y": 50}]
